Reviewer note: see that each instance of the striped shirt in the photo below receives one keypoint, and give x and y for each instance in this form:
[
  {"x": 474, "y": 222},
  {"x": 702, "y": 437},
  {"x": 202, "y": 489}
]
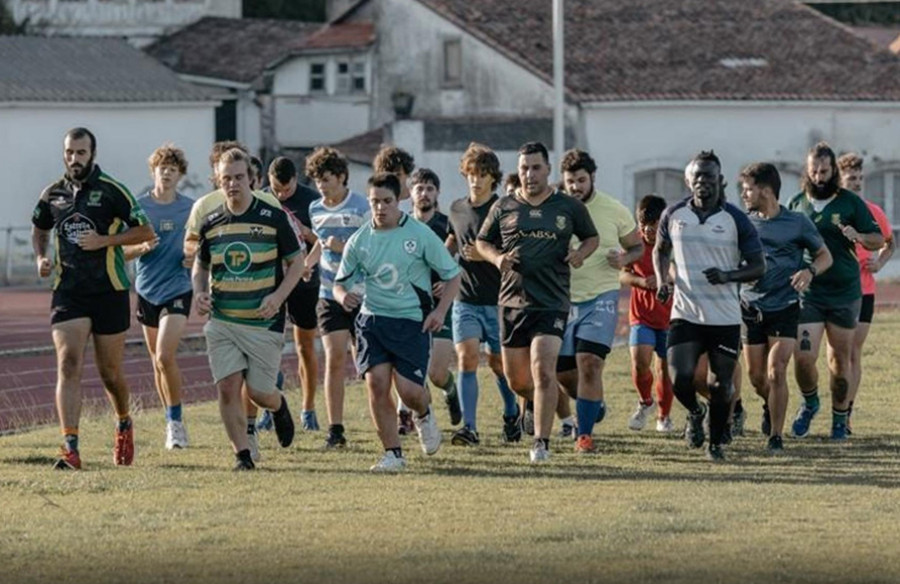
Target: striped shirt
[
  {"x": 721, "y": 241},
  {"x": 245, "y": 254},
  {"x": 340, "y": 221}
]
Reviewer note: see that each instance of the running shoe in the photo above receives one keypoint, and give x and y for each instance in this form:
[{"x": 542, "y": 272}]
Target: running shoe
[
  {"x": 465, "y": 436},
  {"x": 123, "y": 451}
]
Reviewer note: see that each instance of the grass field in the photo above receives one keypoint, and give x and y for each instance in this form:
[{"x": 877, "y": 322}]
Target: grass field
[{"x": 646, "y": 509}]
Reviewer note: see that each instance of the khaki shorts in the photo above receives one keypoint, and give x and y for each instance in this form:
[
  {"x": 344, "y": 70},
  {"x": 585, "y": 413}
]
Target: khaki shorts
[{"x": 234, "y": 347}]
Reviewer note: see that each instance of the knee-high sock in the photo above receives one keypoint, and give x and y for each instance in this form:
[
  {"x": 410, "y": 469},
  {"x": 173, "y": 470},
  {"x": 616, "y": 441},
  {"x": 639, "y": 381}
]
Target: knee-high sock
[
  {"x": 587, "y": 412},
  {"x": 509, "y": 398},
  {"x": 467, "y": 386},
  {"x": 664, "y": 396},
  {"x": 644, "y": 385}
]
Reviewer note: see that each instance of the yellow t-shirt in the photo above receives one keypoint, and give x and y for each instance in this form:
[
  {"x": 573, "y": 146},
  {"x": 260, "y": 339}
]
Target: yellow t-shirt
[
  {"x": 613, "y": 221},
  {"x": 208, "y": 202}
]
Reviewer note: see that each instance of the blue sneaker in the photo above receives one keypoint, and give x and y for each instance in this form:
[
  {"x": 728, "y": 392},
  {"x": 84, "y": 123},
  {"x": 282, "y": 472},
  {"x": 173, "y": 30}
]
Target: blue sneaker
[
  {"x": 265, "y": 422},
  {"x": 839, "y": 432},
  {"x": 309, "y": 421},
  {"x": 803, "y": 419}
]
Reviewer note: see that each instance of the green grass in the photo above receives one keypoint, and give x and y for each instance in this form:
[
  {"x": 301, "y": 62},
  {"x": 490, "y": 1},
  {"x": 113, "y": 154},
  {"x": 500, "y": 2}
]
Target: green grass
[{"x": 646, "y": 509}]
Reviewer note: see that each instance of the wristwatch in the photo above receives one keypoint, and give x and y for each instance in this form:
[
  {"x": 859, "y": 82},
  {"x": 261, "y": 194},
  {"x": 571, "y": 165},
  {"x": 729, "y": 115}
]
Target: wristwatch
[{"x": 812, "y": 270}]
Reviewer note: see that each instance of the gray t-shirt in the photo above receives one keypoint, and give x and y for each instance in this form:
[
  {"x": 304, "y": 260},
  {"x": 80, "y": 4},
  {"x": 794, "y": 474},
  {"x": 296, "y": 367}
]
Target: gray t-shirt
[{"x": 785, "y": 237}]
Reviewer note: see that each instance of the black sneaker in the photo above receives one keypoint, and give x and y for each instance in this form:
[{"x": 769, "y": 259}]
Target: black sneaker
[
  {"x": 335, "y": 440},
  {"x": 766, "y": 426},
  {"x": 694, "y": 433},
  {"x": 512, "y": 429},
  {"x": 528, "y": 419},
  {"x": 452, "y": 401},
  {"x": 715, "y": 453},
  {"x": 727, "y": 434},
  {"x": 775, "y": 445},
  {"x": 242, "y": 464},
  {"x": 284, "y": 425},
  {"x": 465, "y": 436}
]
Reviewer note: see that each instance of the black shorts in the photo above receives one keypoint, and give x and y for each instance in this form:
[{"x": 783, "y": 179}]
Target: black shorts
[
  {"x": 149, "y": 314},
  {"x": 110, "y": 312},
  {"x": 518, "y": 326},
  {"x": 867, "y": 309},
  {"x": 398, "y": 341},
  {"x": 759, "y": 325},
  {"x": 723, "y": 339},
  {"x": 301, "y": 307},
  {"x": 844, "y": 316},
  {"x": 332, "y": 317}
]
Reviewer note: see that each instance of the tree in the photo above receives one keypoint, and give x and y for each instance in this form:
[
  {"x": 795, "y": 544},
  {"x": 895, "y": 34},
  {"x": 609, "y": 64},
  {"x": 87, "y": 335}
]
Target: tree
[
  {"x": 7, "y": 24},
  {"x": 307, "y": 10}
]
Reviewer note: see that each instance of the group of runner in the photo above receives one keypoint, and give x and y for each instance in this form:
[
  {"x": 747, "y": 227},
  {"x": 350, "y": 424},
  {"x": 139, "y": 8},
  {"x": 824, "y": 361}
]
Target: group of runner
[{"x": 531, "y": 273}]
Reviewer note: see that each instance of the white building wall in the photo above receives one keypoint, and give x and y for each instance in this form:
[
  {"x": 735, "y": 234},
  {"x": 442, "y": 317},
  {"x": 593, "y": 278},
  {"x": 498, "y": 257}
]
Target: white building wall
[
  {"x": 31, "y": 148},
  {"x": 628, "y": 138}
]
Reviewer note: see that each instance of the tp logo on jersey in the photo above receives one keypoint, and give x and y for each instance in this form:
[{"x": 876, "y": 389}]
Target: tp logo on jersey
[
  {"x": 410, "y": 246},
  {"x": 237, "y": 257}
]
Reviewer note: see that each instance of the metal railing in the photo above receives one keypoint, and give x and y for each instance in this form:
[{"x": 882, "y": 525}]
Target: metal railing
[{"x": 18, "y": 258}]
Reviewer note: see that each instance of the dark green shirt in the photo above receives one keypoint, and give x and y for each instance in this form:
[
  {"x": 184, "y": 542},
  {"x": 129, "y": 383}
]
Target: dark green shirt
[
  {"x": 541, "y": 235},
  {"x": 840, "y": 284}
]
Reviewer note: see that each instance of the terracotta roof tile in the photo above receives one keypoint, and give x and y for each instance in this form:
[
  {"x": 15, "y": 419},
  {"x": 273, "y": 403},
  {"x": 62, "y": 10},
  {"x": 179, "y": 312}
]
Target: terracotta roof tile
[{"x": 345, "y": 35}]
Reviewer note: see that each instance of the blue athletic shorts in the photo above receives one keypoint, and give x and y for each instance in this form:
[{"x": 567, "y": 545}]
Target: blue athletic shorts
[
  {"x": 399, "y": 341},
  {"x": 642, "y": 334},
  {"x": 472, "y": 321},
  {"x": 593, "y": 321}
]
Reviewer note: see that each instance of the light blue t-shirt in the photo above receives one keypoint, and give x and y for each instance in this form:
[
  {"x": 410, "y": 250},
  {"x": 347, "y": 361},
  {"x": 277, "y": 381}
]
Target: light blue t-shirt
[
  {"x": 340, "y": 221},
  {"x": 395, "y": 265},
  {"x": 160, "y": 275},
  {"x": 784, "y": 238}
]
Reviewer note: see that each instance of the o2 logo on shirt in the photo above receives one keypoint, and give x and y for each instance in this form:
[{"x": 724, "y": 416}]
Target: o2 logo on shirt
[{"x": 237, "y": 257}]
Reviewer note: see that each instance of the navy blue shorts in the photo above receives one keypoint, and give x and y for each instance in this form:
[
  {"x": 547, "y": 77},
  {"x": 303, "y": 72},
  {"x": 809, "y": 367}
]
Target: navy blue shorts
[{"x": 399, "y": 341}]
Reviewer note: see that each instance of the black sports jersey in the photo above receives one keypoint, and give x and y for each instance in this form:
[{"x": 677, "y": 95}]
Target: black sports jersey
[
  {"x": 100, "y": 204},
  {"x": 480, "y": 282},
  {"x": 244, "y": 254},
  {"x": 441, "y": 227},
  {"x": 298, "y": 206},
  {"x": 541, "y": 235}
]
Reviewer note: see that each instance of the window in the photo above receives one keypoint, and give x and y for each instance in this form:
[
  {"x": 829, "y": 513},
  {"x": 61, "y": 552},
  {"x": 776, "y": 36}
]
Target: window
[
  {"x": 668, "y": 183},
  {"x": 452, "y": 62},
  {"x": 351, "y": 77},
  {"x": 882, "y": 187},
  {"x": 343, "y": 77},
  {"x": 359, "y": 76},
  {"x": 317, "y": 77}
]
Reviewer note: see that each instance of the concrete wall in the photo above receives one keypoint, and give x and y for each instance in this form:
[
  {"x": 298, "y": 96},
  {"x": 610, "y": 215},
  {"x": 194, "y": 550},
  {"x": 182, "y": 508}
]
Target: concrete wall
[
  {"x": 628, "y": 138},
  {"x": 304, "y": 119},
  {"x": 31, "y": 148}
]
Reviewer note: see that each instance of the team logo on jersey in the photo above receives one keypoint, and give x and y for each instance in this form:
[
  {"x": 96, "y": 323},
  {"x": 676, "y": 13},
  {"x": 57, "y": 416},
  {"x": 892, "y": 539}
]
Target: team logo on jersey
[
  {"x": 410, "y": 245},
  {"x": 836, "y": 219},
  {"x": 535, "y": 213},
  {"x": 559, "y": 324},
  {"x": 94, "y": 198},
  {"x": 718, "y": 229},
  {"x": 237, "y": 257},
  {"x": 265, "y": 213},
  {"x": 256, "y": 231},
  {"x": 74, "y": 225},
  {"x": 167, "y": 225},
  {"x": 345, "y": 220},
  {"x": 560, "y": 221}
]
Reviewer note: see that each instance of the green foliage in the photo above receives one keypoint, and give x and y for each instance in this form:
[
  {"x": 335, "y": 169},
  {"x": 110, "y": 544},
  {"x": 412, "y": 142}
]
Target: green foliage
[
  {"x": 862, "y": 13},
  {"x": 307, "y": 10},
  {"x": 8, "y": 26}
]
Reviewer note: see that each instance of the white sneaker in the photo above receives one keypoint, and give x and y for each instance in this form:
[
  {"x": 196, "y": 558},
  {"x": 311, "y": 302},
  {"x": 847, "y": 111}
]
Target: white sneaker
[
  {"x": 638, "y": 419},
  {"x": 253, "y": 441},
  {"x": 539, "y": 453},
  {"x": 390, "y": 462},
  {"x": 429, "y": 433},
  {"x": 176, "y": 435},
  {"x": 665, "y": 425}
]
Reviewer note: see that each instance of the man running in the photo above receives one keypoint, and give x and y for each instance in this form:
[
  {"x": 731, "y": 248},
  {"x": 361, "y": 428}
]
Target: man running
[
  {"x": 527, "y": 235},
  {"x": 296, "y": 200},
  {"x": 163, "y": 283},
  {"x": 850, "y": 166},
  {"x": 238, "y": 279},
  {"x": 334, "y": 218},
  {"x": 594, "y": 313},
  {"x": 475, "y": 310},
  {"x": 831, "y": 304},
  {"x": 714, "y": 247},
  {"x": 93, "y": 216},
  {"x": 394, "y": 257},
  {"x": 425, "y": 186},
  {"x": 770, "y": 306}
]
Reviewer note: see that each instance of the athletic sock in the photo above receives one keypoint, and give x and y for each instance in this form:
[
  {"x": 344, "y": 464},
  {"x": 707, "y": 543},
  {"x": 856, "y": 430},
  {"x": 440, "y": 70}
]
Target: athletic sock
[
  {"x": 664, "y": 396},
  {"x": 568, "y": 421},
  {"x": 718, "y": 419},
  {"x": 244, "y": 455},
  {"x": 850, "y": 409},
  {"x": 587, "y": 411},
  {"x": 643, "y": 384},
  {"x": 811, "y": 399},
  {"x": 71, "y": 440},
  {"x": 398, "y": 452},
  {"x": 467, "y": 386},
  {"x": 124, "y": 424},
  {"x": 251, "y": 425},
  {"x": 336, "y": 429},
  {"x": 839, "y": 417},
  {"x": 173, "y": 413},
  {"x": 510, "y": 407},
  {"x": 544, "y": 441}
]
